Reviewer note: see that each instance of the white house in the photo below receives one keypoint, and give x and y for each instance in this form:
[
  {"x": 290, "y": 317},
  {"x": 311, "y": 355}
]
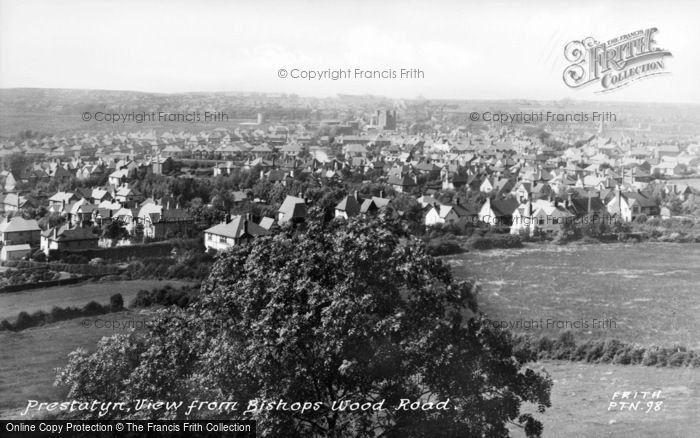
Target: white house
[
  {"x": 14, "y": 252},
  {"x": 348, "y": 207},
  {"x": 539, "y": 215},
  {"x": 292, "y": 208},
  {"x": 222, "y": 237},
  {"x": 445, "y": 214}
]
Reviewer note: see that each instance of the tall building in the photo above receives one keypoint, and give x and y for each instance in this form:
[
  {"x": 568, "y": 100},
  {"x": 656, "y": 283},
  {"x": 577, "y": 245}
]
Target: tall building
[{"x": 386, "y": 119}]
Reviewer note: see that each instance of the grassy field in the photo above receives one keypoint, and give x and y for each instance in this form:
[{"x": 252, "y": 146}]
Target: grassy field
[
  {"x": 580, "y": 396},
  {"x": 650, "y": 290},
  {"x": 74, "y": 295},
  {"x": 582, "y": 393},
  {"x": 28, "y": 359}
]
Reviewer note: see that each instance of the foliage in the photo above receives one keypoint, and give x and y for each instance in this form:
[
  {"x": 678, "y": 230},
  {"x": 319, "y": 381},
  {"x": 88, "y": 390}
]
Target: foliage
[
  {"x": 334, "y": 311},
  {"x": 165, "y": 296},
  {"x": 606, "y": 351},
  {"x": 495, "y": 241},
  {"x": 25, "y": 320}
]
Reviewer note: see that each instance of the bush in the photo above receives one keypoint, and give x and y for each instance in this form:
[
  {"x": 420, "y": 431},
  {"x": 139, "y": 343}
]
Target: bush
[
  {"x": 443, "y": 246},
  {"x": 116, "y": 303},
  {"x": 39, "y": 256},
  {"x": 165, "y": 296},
  {"x": 604, "y": 351},
  {"x": 495, "y": 241},
  {"x": 38, "y": 318}
]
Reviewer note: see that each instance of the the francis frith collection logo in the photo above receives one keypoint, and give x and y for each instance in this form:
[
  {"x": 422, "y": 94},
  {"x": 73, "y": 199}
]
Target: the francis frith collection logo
[{"x": 614, "y": 63}]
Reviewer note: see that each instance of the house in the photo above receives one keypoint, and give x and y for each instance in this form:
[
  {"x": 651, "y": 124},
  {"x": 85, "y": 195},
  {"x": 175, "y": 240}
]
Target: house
[
  {"x": 630, "y": 205},
  {"x": 118, "y": 177},
  {"x": 128, "y": 217},
  {"x": 452, "y": 180},
  {"x": 14, "y": 252},
  {"x": 7, "y": 180},
  {"x": 293, "y": 209},
  {"x": 68, "y": 239},
  {"x": 267, "y": 222},
  {"x": 498, "y": 212},
  {"x": 59, "y": 202},
  {"x": 348, "y": 207},
  {"x": 99, "y": 195},
  {"x": 162, "y": 166},
  {"x": 496, "y": 185},
  {"x": 12, "y": 202},
  {"x": 168, "y": 223},
  {"x": 541, "y": 215},
  {"x": 427, "y": 201},
  {"x": 18, "y": 231},
  {"x": 402, "y": 184},
  {"x": 224, "y": 236},
  {"x": 446, "y": 214},
  {"x": 524, "y": 191},
  {"x": 373, "y": 205},
  {"x": 128, "y": 196}
]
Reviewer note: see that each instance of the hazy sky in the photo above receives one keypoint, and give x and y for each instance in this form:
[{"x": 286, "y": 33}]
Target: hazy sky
[{"x": 472, "y": 50}]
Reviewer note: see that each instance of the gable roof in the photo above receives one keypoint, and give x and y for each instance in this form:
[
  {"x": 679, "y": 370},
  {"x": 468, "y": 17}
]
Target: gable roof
[
  {"x": 19, "y": 224},
  {"x": 349, "y": 205},
  {"x": 504, "y": 207},
  {"x": 238, "y": 227},
  {"x": 293, "y": 207}
]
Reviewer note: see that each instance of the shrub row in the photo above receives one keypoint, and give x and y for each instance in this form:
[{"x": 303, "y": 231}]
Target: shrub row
[
  {"x": 158, "y": 249},
  {"x": 14, "y": 277},
  {"x": 25, "y": 320},
  {"x": 81, "y": 269},
  {"x": 165, "y": 296},
  {"x": 443, "y": 245},
  {"x": 492, "y": 241},
  {"x": 610, "y": 351},
  {"x": 195, "y": 265}
]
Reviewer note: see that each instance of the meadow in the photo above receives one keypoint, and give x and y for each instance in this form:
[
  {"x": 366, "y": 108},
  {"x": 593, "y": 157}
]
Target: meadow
[
  {"x": 646, "y": 293},
  {"x": 650, "y": 290},
  {"x": 29, "y": 358},
  {"x": 74, "y": 295}
]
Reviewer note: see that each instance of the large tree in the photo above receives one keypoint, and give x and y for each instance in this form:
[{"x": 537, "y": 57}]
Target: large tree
[{"x": 335, "y": 311}]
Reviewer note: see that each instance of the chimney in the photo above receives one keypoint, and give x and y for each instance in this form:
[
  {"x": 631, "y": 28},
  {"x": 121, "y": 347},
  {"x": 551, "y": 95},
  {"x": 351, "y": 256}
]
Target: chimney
[{"x": 355, "y": 195}]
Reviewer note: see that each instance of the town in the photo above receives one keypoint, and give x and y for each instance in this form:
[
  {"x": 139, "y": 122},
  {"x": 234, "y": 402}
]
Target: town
[{"x": 63, "y": 196}]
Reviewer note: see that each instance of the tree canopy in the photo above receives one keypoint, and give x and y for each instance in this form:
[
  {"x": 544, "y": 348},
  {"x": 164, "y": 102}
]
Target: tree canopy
[{"x": 332, "y": 311}]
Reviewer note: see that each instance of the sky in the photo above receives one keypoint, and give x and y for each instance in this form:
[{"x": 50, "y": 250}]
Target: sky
[{"x": 465, "y": 49}]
